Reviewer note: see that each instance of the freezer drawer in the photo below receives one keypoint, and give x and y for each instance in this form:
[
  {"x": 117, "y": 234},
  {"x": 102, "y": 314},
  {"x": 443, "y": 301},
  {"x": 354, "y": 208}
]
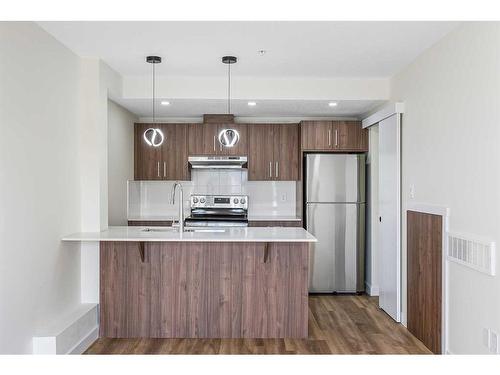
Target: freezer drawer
[
  {"x": 335, "y": 178},
  {"x": 337, "y": 259}
]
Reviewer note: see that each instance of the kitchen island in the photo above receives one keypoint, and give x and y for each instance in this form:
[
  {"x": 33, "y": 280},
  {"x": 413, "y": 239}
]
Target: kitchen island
[{"x": 228, "y": 283}]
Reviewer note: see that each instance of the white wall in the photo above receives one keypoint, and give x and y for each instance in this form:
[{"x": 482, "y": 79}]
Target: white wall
[
  {"x": 120, "y": 161},
  {"x": 451, "y": 154},
  {"x": 39, "y": 182}
]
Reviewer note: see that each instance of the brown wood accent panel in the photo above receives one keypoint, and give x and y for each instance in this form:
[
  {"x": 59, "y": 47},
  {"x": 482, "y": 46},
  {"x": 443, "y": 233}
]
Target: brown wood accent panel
[
  {"x": 260, "y": 152},
  {"x": 112, "y": 273},
  {"x": 202, "y": 139},
  {"x": 218, "y": 119},
  {"x": 241, "y": 148},
  {"x": 174, "y": 164},
  {"x": 342, "y": 324},
  {"x": 314, "y": 135},
  {"x": 424, "y": 246},
  {"x": 351, "y": 136},
  {"x": 286, "y": 154},
  {"x": 275, "y": 223},
  {"x": 204, "y": 290},
  {"x": 149, "y": 223},
  {"x": 147, "y": 159}
]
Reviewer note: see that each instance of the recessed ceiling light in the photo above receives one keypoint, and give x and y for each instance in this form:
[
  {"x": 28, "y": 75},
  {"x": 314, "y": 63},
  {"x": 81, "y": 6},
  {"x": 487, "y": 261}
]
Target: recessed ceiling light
[
  {"x": 165, "y": 102},
  {"x": 332, "y": 104},
  {"x": 252, "y": 104}
]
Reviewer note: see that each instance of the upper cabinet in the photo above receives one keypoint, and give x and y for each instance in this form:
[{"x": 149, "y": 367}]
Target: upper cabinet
[
  {"x": 165, "y": 161},
  {"x": 273, "y": 152},
  {"x": 333, "y": 136},
  {"x": 204, "y": 139},
  {"x": 316, "y": 135}
]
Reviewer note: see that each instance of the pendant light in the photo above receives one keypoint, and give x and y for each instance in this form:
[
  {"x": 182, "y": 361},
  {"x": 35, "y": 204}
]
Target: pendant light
[
  {"x": 229, "y": 137},
  {"x": 153, "y": 136}
]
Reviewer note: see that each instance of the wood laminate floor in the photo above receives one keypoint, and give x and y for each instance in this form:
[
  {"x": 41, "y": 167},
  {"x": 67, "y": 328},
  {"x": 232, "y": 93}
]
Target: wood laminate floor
[{"x": 337, "y": 325}]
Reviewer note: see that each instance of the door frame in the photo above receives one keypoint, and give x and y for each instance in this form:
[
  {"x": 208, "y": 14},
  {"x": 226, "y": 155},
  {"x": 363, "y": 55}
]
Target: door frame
[
  {"x": 444, "y": 212},
  {"x": 389, "y": 110}
]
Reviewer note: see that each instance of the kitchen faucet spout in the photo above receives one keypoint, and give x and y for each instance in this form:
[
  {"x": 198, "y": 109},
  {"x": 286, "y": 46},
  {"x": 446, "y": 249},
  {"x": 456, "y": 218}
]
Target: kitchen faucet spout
[{"x": 181, "y": 204}]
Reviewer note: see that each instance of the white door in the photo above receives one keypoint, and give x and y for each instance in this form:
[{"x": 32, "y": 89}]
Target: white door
[{"x": 390, "y": 220}]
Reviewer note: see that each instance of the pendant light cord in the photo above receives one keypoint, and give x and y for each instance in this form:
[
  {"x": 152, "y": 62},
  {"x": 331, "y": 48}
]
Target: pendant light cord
[
  {"x": 229, "y": 89},
  {"x": 153, "y": 92}
]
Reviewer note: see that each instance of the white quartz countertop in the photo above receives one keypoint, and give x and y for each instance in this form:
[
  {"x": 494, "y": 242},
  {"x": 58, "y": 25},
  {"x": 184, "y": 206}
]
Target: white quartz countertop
[
  {"x": 167, "y": 234},
  {"x": 250, "y": 218}
]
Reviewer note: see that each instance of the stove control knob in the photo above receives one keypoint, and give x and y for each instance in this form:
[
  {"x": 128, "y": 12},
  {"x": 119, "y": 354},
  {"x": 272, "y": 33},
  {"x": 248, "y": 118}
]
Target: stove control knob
[
  {"x": 195, "y": 200},
  {"x": 242, "y": 200},
  {"x": 202, "y": 200},
  {"x": 235, "y": 200}
]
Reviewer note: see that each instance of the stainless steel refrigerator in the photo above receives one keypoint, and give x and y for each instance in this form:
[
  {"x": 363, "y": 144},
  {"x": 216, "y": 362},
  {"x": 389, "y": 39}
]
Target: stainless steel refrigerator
[{"x": 335, "y": 215}]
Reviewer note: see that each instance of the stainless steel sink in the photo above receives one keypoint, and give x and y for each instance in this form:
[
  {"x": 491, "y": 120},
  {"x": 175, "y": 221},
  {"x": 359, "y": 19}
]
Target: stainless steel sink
[
  {"x": 176, "y": 229},
  {"x": 205, "y": 230},
  {"x": 159, "y": 230}
]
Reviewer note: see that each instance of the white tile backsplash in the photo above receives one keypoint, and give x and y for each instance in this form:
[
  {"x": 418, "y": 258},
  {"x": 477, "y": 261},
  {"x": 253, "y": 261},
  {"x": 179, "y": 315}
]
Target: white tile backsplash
[{"x": 150, "y": 199}]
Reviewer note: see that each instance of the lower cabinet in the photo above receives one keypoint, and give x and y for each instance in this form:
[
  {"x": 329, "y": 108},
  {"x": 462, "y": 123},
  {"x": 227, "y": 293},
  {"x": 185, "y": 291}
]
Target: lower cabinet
[
  {"x": 203, "y": 289},
  {"x": 151, "y": 223},
  {"x": 275, "y": 223}
]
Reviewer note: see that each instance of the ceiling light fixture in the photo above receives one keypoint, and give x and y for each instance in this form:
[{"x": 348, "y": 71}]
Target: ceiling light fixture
[
  {"x": 252, "y": 104},
  {"x": 332, "y": 104},
  {"x": 153, "y": 136},
  {"x": 165, "y": 102},
  {"x": 229, "y": 60}
]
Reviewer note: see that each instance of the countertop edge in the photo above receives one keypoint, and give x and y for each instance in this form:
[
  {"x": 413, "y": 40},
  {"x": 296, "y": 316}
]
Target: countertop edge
[{"x": 311, "y": 240}]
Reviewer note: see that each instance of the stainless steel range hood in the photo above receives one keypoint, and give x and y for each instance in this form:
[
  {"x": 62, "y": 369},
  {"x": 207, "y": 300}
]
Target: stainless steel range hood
[{"x": 217, "y": 162}]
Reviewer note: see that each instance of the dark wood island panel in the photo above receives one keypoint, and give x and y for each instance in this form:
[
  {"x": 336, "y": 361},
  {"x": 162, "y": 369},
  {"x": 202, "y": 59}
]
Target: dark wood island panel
[{"x": 204, "y": 289}]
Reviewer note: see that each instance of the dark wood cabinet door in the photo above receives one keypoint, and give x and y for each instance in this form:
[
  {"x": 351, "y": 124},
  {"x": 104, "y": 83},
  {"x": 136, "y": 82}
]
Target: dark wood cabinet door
[
  {"x": 147, "y": 159},
  {"x": 202, "y": 139},
  {"x": 286, "y": 152},
  {"x": 316, "y": 135},
  {"x": 241, "y": 148},
  {"x": 350, "y": 136},
  {"x": 424, "y": 278},
  {"x": 260, "y": 152},
  {"x": 174, "y": 165}
]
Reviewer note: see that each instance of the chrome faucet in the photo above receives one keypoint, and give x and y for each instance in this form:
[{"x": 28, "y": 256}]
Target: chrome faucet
[{"x": 181, "y": 205}]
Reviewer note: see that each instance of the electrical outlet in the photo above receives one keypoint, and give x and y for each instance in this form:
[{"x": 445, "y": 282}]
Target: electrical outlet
[{"x": 493, "y": 342}]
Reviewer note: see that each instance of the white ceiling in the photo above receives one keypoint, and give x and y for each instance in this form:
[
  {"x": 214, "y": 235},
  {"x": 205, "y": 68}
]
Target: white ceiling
[
  {"x": 295, "y": 52},
  {"x": 305, "y": 49},
  {"x": 264, "y": 108}
]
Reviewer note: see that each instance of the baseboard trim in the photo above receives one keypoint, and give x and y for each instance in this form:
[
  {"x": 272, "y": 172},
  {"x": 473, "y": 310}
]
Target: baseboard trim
[
  {"x": 372, "y": 290},
  {"x": 86, "y": 342}
]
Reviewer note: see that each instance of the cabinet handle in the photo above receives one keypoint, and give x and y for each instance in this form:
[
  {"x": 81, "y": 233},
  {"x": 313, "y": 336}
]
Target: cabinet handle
[
  {"x": 270, "y": 169},
  {"x": 276, "y": 169},
  {"x": 214, "y": 143},
  {"x": 158, "y": 167},
  {"x": 329, "y": 137},
  {"x": 164, "y": 169},
  {"x": 336, "y": 138}
]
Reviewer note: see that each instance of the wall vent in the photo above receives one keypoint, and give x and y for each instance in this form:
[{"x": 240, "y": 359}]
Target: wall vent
[{"x": 475, "y": 253}]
